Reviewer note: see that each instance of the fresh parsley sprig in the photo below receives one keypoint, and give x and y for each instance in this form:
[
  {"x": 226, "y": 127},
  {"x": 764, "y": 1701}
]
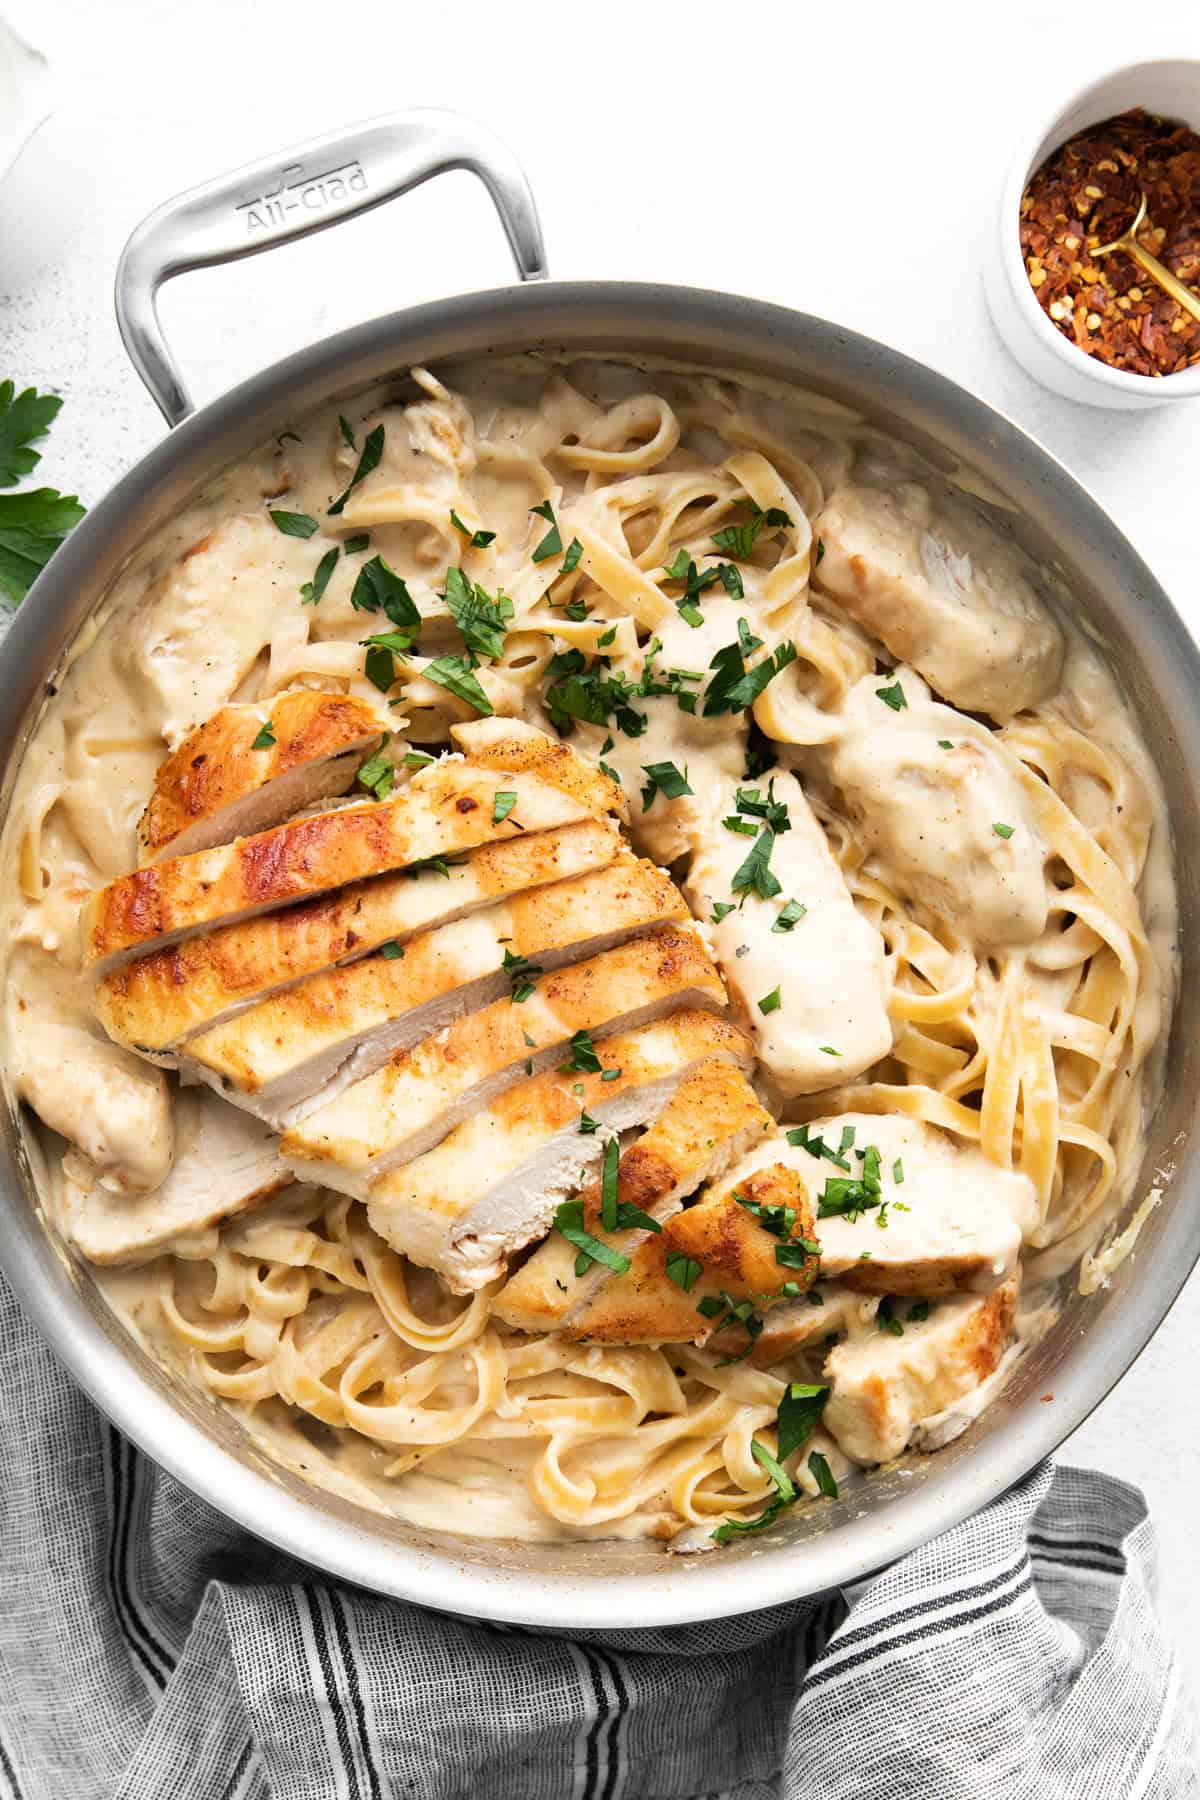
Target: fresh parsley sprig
[{"x": 34, "y": 523}]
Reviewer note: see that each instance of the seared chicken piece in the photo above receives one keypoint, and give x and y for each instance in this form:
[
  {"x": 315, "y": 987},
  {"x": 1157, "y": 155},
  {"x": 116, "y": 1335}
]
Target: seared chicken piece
[
  {"x": 824, "y": 1313},
  {"x": 163, "y": 998},
  {"x": 931, "y": 796},
  {"x": 301, "y": 1048},
  {"x": 736, "y": 1254},
  {"x": 225, "y": 1163},
  {"x": 218, "y": 785},
  {"x": 421, "y": 1094},
  {"x": 197, "y": 633},
  {"x": 494, "y": 1184},
  {"x": 510, "y": 746},
  {"x": 713, "y": 1119},
  {"x": 883, "y": 1385},
  {"x": 109, "y": 1104},
  {"x": 946, "y": 1217},
  {"x": 963, "y": 612},
  {"x": 830, "y": 1018},
  {"x": 447, "y": 807}
]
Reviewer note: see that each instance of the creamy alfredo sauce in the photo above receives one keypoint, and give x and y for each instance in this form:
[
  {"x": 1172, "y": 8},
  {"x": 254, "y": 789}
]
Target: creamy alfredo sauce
[{"x": 985, "y": 940}]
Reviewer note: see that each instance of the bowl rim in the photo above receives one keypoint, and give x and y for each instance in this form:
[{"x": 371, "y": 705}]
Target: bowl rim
[
  {"x": 1182, "y": 385},
  {"x": 678, "y": 1590}
]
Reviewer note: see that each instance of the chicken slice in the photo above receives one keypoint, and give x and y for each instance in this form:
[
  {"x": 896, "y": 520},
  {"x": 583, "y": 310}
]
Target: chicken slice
[
  {"x": 222, "y": 783},
  {"x": 957, "y": 604},
  {"x": 944, "y": 1218},
  {"x": 933, "y": 800},
  {"x": 447, "y": 807},
  {"x": 883, "y": 1386},
  {"x": 494, "y": 1184},
  {"x": 419, "y": 1095},
  {"x": 713, "y": 1118},
  {"x": 825, "y": 1312},
  {"x": 159, "y": 1000},
  {"x": 300, "y": 1049},
  {"x": 736, "y": 1254},
  {"x": 510, "y": 746},
  {"x": 831, "y": 1019},
  {"x": 225, "y": 1163}
]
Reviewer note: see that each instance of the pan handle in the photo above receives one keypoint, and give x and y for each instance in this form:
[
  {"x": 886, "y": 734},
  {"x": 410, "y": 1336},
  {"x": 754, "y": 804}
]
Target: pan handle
[{"x": 298, "y": 191}]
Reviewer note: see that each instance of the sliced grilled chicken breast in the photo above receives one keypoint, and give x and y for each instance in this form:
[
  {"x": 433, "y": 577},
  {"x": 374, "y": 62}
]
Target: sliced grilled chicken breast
[
  {"x": 960, "y": 608},
  {"x": 883, "y": 1385},
  {"x": 713, "y": 1118},
  {"x": 447, "y": 807},
  {"x": 944, "y": 1217},
  {"x": 225, "y": 1163},
  {"x": 511, "y": 746},
  {"x": 161, "y": 999},
  {"x": 224, "y": 782},
  {"x": 830, "y": 1019},
  {"x": 298, "y": 1050},
  {"x": 825, "y": 1312},
  {"x": 493, "y": 1185},
  {"x": 678, "y": 1284},
  {"x": 421, "y": 1094}
]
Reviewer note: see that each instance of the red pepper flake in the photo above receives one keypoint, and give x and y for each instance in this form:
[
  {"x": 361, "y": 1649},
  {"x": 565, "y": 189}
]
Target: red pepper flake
[{"x": 1087, "y": 194}]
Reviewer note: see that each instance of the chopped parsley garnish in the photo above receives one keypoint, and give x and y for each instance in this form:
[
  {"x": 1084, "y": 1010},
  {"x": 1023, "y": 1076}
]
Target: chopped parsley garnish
[
  {"x": 417, "y": 759},
  {"x": 820, "y": 553},
  {"x": 602, "y": 643},
  {"x": 265, "y": 738},
  {"x": 945, "y": 744},
  {"x": 347, "y": 431},
  {"x": 665, "y": 779},
  {"x": 801, "y": 1137},
  {"x": 520, "y": 972},
  {"x": 793, "y": 1256},
  {"x": 360, "y": 541},
  {"x": 721, "y": 910},
  {"x": 785, "y": 1496},
  {"x": 34, "y": 523},
  {"x": 583, "y": 1055},
  {"x": 610, "y": 1074},
  {"x": 482, "y": 620},
  {"x": 502, "y": 804},
  {"x": 683, "y": 1270},
  {"x": 391, "y": 951},
  {"x": 778, "y": 1220},
  {"x": 773, "y": 812},
  {"x": 377, "y": 586},
  {"x": 734, "y": 688},
  {"x": 432, "y": 865},
  {"x": 568, "y": 1221},
  {"x": 698, "y": 582},
  {"x": 551, "y": 544},
  {"x": 378, "y": 774},
  {"x": 312, "y": 591},
  {"x": 608, "y": 1185},
  {"x": 771, "y": 1002},
  {"x": 368, "y": 459},
  {"x": 476, "y": 540},
  {"x": 380, "y": 667},
  {"x": 789, "y": 916},
  {"x": 739, "y": 540},
  {"x": 754, "y": 875},
  {"x": 851, "y": 1195},
  {"x": 456, "y": 675},
  {"x": 588, "y": 1127},
  {"x": 1001, "y": 830},
  {"x": 898, "y": 1172},
  {"x": 571, "y": 561},
  {"x": 918, "y": 1312},
  {"x": 828, "y": 1050},
  {"x": 294, "y": 524},
  {"x": 283, "y": 437},
  {"x": 892, "y": 696},
  {"x": 746, "y": 827},
  {"x": 799, "y": 1414},
  {"x": 822, "y": 1474},
  {"x": 710, "y": 1306},
  {"x": 886, "y": 1321}
]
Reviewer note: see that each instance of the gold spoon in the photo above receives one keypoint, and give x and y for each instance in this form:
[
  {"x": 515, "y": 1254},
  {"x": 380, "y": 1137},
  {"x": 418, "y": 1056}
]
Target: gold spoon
[{"x": 1128, "y": 242}]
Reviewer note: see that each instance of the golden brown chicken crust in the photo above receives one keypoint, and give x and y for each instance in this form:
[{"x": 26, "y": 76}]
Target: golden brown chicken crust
[
  {"x": 517, "y": 748},
  {"x": 447, "y": 808},
  {"x": 153, "y": 1002},
  {"x": 218, "y": 764}
]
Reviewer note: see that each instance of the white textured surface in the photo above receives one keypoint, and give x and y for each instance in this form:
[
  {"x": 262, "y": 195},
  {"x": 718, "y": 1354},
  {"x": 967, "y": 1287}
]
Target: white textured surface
[{"x": 843, "y": 160}]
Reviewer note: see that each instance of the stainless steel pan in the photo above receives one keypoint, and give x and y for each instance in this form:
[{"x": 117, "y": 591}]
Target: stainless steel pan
[{"x": 314, "y": 186}]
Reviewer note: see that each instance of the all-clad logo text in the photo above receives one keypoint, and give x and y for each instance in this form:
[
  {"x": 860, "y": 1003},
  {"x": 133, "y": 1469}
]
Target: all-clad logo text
[{"x": 299, "y": 192}]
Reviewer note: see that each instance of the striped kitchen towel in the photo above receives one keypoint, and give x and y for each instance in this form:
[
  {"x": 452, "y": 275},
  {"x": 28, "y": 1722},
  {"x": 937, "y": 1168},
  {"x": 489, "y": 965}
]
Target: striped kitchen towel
[{"x": 150, "y": 1650}]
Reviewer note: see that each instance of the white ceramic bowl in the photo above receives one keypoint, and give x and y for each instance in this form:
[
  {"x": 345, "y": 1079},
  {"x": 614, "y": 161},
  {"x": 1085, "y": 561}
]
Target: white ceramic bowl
[
  {"x": 1170, "y": 87},
  {"x": 24, "y": 94}
]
